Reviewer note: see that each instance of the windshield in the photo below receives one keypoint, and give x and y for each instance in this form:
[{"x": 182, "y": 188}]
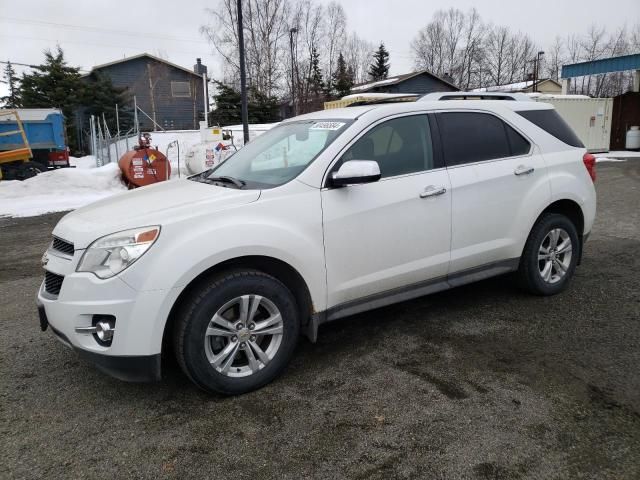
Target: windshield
[{"x": 279, "y": 155}]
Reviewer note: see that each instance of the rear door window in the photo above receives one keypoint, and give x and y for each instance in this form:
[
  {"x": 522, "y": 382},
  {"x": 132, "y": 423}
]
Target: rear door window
[
  {"x": 552, "y": 123},
  {"x": 469, "y": 137}
]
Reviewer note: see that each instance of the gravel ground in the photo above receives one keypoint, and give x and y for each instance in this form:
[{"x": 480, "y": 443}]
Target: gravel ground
[{"x": 481, "y": 382}]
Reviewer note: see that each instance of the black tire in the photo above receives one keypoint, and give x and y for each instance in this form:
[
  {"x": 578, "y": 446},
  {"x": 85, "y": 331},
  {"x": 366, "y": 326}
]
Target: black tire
[
  {"x": 529, "y": 272},
  {"x": 195, "y": 317},
  {"x": 30, "y": 169}
]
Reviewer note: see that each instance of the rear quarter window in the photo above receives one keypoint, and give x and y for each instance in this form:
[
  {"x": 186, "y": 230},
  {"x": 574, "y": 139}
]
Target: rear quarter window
[{"x": 552, "y": 123}]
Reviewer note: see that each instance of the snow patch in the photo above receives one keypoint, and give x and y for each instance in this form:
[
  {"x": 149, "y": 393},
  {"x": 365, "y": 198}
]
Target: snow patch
[
  {"x": 618, "y": 154},
  {"x": 88, "y": 161},
  {"x": 59, "y": 190}
]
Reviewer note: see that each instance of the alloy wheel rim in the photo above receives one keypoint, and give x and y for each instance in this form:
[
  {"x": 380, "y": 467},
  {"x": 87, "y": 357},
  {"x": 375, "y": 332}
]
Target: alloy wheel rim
[
  {"x": 243, "y": 336},
  {"x": 554, "y": 255}
]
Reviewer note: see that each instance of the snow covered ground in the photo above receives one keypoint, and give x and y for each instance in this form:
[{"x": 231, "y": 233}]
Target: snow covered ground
[
  {"x": 60, "y": 190},
  {"x": 70, "y": 188},
  {"x": 617, "y": 156}
]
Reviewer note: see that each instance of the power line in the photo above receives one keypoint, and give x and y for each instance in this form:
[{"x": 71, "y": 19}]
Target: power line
[
  {"x": 100, "y": 29},
  {"x": 19, "y": 64},
  {"x": 86, "y": 42}
]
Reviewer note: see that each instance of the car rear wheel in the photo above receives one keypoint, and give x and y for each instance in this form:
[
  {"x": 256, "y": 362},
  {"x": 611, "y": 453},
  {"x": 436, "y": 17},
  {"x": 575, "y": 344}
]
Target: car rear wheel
[
  {"x": 237, "y": 332},
  {"x": 550, "y": 255}
]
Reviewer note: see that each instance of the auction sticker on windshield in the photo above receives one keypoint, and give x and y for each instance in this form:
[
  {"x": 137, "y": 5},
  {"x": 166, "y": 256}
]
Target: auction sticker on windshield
[{"x": 327, "y": 125}]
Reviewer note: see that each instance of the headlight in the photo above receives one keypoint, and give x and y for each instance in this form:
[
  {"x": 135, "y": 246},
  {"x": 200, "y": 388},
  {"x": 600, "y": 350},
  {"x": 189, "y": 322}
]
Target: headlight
[{"x": 110, "y": 255}]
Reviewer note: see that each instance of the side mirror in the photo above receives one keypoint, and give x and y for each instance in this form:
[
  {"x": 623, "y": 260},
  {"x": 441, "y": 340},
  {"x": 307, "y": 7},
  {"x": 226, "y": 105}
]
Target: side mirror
[{"x": 356, "y": 171}]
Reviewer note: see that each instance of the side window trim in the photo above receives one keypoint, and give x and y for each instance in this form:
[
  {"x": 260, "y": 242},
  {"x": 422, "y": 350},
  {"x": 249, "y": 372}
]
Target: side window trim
[
  {"x": 437, "y": 114},
  {"x": 436, "y": 141},
  {"x": 332, "y": 165}
]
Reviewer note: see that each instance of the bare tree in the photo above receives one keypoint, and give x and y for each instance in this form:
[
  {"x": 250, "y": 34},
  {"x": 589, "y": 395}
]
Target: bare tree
[
  {"x": 451, "y": 44},
  {"x": 428, "y": 46},
  {"x": 471, "y": 53},
  {"x": 265, "y": 25},
  {"x": 495, "y": 53},
  {"x": 357, "y": 54},
  {"x": 555, "y": 59},
  {"x": 335, "y": 38}
]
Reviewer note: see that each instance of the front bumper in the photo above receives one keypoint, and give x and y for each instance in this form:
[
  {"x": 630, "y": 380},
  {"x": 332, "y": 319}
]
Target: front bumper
[
  {"x": 141, "y": 368},
  {"x": 140, "y": 317}
]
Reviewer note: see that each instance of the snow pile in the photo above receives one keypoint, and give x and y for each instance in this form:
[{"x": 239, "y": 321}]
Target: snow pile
[
  {"x": 88, "y": 161},
  {"x": 60, "y": 190},
  {"x": 617, "y": 156}
]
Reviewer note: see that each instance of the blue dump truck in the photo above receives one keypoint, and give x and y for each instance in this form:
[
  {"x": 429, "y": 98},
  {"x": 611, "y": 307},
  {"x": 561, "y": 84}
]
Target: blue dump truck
[{"x": 32, "y": 140}]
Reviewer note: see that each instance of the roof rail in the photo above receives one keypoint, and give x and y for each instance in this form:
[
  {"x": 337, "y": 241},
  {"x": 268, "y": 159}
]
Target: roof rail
[
  {"x": 377, "y": 101},
  {"x": 520, "y": 97}
]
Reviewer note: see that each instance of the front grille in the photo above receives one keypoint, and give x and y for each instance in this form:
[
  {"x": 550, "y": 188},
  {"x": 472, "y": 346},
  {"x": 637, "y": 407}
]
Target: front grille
[
  {"x": 63, "y": 246},
  {"x": 52, "y": 283}
]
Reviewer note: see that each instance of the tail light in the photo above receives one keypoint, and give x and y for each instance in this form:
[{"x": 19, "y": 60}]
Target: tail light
[{"x": 590, "y": 164}]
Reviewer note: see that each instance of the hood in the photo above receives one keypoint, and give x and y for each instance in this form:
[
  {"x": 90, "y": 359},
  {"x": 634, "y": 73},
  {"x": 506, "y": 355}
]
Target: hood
[{"x": 158, "y": 204}]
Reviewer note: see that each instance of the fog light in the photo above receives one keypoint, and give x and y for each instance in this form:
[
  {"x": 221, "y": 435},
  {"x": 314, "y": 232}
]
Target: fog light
[
  {"x": 105, "y": 326},
  {"x": 104, "y": 331}
]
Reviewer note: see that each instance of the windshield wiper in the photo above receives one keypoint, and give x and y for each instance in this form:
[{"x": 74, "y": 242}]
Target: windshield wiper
[{"x": 226, "y": 179}]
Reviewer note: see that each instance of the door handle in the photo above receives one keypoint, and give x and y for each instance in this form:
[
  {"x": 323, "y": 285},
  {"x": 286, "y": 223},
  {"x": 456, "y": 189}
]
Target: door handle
[
  {"x": 523, "y": 170},
  {"x": 432, "y": 191}
]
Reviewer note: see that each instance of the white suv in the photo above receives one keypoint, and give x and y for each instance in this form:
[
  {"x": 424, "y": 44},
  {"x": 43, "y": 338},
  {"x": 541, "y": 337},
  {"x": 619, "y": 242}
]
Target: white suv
[{"x": 328, "y": 214}]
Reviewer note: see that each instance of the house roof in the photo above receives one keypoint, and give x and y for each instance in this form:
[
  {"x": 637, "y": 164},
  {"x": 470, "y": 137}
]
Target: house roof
[
  {"x": 515, "y": 87},
  {"x": 363, "y": 87},
  {"x": 141, "y": 55}
]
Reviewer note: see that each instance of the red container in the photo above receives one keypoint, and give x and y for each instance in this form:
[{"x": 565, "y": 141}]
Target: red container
[{"x": 144, "y": 166}]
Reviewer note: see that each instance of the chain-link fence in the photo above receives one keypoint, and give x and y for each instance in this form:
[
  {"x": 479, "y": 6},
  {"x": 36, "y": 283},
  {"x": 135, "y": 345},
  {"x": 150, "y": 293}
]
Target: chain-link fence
[{"x": 106, "y": 147}]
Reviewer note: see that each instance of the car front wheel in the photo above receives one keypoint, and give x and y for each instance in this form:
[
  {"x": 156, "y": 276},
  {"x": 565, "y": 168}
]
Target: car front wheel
[{"x": 237, "y": 332}]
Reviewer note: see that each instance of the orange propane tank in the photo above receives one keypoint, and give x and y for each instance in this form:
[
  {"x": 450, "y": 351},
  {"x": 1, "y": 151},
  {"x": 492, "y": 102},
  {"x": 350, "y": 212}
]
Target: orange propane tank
[{"x": 144, "y": 165}]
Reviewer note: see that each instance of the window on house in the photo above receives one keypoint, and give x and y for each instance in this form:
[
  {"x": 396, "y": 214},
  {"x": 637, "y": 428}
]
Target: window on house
[{"x": 180, "y": 89}]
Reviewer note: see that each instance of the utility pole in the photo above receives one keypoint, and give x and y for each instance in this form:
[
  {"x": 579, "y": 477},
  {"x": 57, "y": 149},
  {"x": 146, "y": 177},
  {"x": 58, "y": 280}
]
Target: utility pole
[
  {"x": 536, "y": 70},
  {"x": 243, "y": 76},
  {"x": 293, "y": 75}
]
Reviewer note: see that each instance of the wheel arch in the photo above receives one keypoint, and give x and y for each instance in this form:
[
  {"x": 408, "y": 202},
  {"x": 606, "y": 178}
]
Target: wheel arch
[
  {"x": 277, "y": 268},
  {"x": 570, "y": 209}
]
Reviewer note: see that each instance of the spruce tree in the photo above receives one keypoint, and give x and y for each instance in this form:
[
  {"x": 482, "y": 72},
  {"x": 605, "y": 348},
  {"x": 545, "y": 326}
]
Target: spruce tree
[
  {"x": 227, "y": 106},
  {"x": 379, "y": 69},
  {"x": 262, "y": 108},
  {"x": 9, "y": 77},
  {"x": 342, "y": 80},
  {"x": 316, "y": 82},
  {"x": 55, "y": 84}
]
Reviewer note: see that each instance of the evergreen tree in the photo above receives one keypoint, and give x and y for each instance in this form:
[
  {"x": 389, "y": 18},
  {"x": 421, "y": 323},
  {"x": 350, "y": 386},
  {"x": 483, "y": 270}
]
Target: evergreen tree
[
  {"x": 100, "y": 98},
  {"x": 316, "y": 82},
  {"x": 55, "y": 84},
  {"x": 262, "y": 108},
  {"x": 9, "y": 77},
  {"x": 227, "y": 111},
  {"x": 342, "y": 80},
  {"x": 379, "y": 69},
  {"x": 227, "y": 106}
]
